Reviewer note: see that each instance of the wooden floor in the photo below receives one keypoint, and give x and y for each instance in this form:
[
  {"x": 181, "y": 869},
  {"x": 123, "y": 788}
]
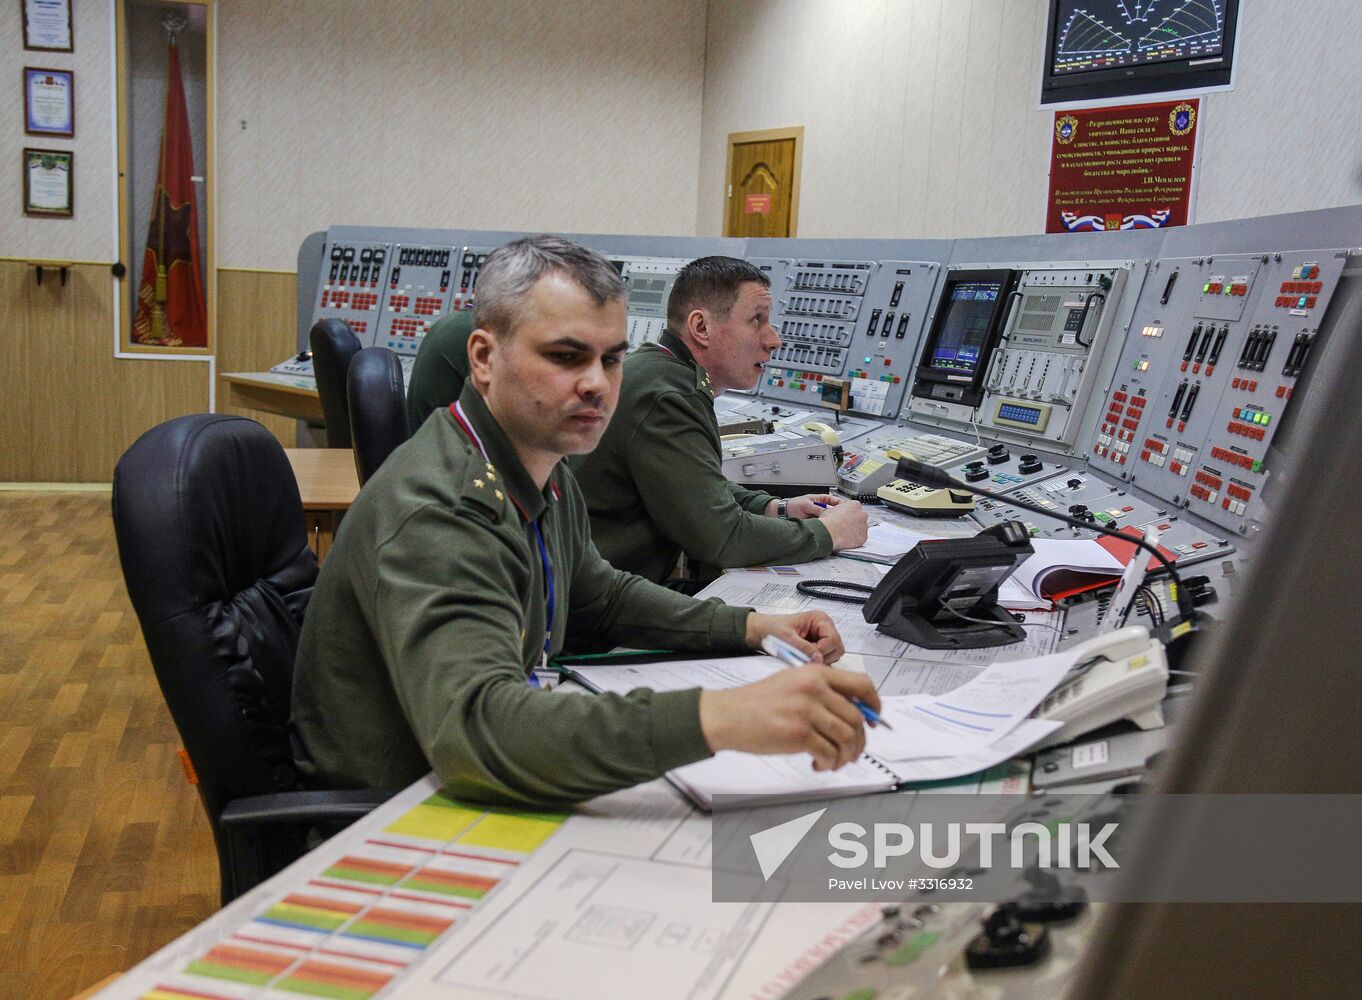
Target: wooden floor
[{"x": 105, "y": 854}]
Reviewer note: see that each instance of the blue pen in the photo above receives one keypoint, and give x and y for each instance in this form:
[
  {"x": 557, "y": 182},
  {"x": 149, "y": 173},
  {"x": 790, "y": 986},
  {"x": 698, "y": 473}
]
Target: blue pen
[{"x": 793, "y": 657}]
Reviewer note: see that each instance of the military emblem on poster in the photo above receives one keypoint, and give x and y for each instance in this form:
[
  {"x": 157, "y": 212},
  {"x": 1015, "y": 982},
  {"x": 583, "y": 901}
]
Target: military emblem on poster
[{"x": 1182, "y": 119}]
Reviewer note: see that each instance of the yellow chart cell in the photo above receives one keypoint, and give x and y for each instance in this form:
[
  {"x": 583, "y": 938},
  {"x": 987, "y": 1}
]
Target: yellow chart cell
[
  {"x": 512, "y": 831},
  {"x": 438, "y": 818}
]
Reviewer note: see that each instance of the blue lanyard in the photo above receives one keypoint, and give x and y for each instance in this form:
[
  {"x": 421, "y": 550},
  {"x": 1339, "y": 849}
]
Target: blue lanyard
[{"x": 548, "y": 585}]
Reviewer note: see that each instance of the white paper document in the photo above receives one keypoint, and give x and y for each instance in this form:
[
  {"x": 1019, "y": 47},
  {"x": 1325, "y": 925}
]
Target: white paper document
[
  {"x": 954, "y": 730},
  {"x": 1018, "y": 741},
  {"x": 970, "y": 717},
  {"x": 606, "y": 926},
  {"x": 887, "y": 543},
  {"x": 677, "y": 675}
]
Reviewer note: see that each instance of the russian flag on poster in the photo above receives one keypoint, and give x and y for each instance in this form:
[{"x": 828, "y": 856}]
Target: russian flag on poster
[{"x": 1098, "y": 223}]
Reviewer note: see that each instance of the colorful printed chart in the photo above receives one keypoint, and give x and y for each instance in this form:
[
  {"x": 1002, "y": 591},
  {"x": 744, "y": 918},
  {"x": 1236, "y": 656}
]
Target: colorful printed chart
[{"x": 370, "y": 912}]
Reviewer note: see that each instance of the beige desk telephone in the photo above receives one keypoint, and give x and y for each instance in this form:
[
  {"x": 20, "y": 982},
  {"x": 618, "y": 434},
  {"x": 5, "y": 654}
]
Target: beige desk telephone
[
  {"x": 924, "y": 501},
  {"x": 1126, "y": 678}
]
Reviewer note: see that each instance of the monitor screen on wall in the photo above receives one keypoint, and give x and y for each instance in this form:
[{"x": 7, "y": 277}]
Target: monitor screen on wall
[{"x": 1118, "y": 48}]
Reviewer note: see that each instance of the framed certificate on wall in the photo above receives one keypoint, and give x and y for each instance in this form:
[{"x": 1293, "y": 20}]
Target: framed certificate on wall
[
  {"x": 47, "y": 25},
  {"x": 49, "y": 101},
  {"x": 48, "y": 188}
]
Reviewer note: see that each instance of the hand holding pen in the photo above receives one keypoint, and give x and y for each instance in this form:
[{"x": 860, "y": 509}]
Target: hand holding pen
[
  {"x": 793, "y": 657},
  {"x": 808, "y": 709}
]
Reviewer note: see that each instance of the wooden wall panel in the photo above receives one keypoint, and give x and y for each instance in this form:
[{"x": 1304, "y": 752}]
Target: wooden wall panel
[
  {"x": 70, "y": 407},
  {"x": 256, "y": 329}
]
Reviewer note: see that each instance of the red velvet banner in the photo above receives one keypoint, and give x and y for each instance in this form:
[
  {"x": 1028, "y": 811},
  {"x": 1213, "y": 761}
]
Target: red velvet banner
[
  {"x": 1127, "y": 167},
  {"x": 170, "y": 307}
]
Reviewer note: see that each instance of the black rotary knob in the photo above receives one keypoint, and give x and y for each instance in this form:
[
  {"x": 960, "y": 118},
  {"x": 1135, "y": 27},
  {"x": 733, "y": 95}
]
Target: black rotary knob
[
  {"x": 975, "y": 471},
  {"x": 1029, "y": 464},
  {"x": 1007, "y": 941},
  {"x": 998, "y": 453}
]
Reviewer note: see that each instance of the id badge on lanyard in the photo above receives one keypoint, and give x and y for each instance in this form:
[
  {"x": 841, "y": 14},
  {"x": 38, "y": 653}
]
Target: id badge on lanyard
[{"x": 542, "y": 676}]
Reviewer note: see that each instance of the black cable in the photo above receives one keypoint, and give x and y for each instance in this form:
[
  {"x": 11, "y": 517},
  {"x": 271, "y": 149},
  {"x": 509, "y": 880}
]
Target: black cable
[
  {"x": 827, "y": 590},
  {"x": 1083, "y": 319},
  {"x": 1152, "y": 605},
  {"x": 1018, "y": 618}
]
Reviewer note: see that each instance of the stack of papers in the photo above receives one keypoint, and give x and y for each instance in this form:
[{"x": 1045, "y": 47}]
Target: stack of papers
[
  {"x": 934, "y": 737},
  {"x": 1059, "y": 568}
]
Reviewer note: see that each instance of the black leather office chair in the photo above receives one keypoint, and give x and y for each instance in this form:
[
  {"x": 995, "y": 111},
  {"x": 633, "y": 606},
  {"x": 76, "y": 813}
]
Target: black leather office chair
[
  {"x": 334, "y": 345},
  {"x": 378, "y": 413},
  {"x": 213, "y": 543}
]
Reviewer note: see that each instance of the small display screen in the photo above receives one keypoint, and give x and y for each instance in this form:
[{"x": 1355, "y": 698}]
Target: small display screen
[
  {"x": 1019, "y": 414},
  {"x": 964, "y": 332},
  {"x": 646, "y": 293}
]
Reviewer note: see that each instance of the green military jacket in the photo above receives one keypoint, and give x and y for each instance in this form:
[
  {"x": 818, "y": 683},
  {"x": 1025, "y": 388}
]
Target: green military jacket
[
  {"x": 440, "y": 368},
  {"x": 655, "y": 485},
  {"x": 431, "y": 609}
]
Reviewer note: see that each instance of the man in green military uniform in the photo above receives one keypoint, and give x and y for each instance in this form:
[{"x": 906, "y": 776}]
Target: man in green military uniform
[
  {"x": 467, "y": 560},
  {"x": 655, "y": 485},
  {"x": 440, "y": 368}
]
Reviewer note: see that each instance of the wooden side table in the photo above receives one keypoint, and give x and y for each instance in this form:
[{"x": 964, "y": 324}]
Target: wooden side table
[
  {"x": 328, "y": 483},
  {"x": 286, "y": 395}
]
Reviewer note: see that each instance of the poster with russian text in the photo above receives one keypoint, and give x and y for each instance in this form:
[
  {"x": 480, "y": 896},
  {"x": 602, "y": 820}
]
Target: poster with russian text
[{"x": 1126, "y": 167}]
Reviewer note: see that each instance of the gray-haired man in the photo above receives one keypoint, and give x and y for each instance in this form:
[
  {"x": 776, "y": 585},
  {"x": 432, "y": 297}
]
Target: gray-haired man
[{"x": 467, "y": 560}]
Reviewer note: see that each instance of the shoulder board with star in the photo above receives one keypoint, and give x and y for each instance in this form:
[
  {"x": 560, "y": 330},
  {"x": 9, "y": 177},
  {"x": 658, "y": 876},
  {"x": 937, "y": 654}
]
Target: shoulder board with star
[{"x": 484, "y": 489}]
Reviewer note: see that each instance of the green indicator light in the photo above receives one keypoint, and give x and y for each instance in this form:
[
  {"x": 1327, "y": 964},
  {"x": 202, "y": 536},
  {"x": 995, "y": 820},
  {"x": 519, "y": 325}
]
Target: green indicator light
[
  {"x": 1257, "y": 465},
  {"x": 1206, "y": 287},
  {"x": 1267, "y": 418},
  {"x": 1104, "y": 518}
]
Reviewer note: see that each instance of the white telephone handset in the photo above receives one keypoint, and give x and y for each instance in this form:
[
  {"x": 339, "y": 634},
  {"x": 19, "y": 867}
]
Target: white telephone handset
[
  {"x": 1127, "y": 679},
  {"x": 829, "y": 436}
]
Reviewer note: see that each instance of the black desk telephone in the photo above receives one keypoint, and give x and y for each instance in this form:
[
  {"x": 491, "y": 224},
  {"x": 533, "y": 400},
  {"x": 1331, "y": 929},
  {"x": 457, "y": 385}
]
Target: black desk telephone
[{"x": 943, "y": 594}]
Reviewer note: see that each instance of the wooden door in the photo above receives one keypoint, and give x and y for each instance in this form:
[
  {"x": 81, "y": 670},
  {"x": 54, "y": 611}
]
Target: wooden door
[{"x": 762, "y": 184}]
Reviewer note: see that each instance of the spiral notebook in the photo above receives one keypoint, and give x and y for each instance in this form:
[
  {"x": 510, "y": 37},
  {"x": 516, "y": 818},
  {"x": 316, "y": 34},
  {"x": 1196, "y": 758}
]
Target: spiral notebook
[{"x": 739, "y": 777}]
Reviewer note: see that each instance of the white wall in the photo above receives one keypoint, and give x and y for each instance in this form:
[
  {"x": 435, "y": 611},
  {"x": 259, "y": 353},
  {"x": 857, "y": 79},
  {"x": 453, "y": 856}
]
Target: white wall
[
  {"x": 518, "y": 114},
  {"x": 920, "y": 115},
  {"x": 89, "y": 234}
]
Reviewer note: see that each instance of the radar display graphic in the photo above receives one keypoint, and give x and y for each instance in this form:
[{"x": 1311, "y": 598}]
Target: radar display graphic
[{"x": 1104, "y": 34}]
